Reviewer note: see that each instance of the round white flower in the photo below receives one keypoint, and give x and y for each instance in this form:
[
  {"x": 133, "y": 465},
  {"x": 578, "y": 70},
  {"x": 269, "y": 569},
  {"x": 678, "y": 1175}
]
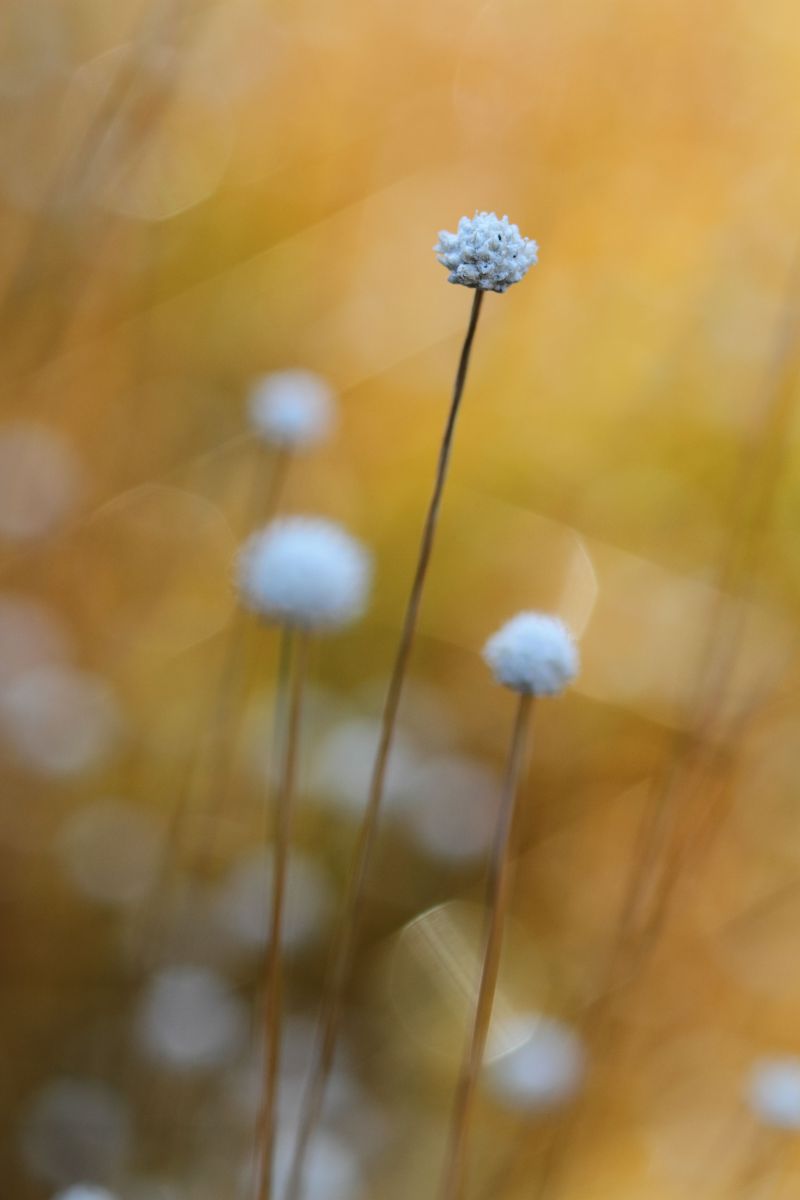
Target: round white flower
[
  {"x": 486, "y": 253},
  {"x": 533, "y": 653},
  {"x": 304, "y": 571},
  {"x": 291, "y": 409},
  {"x": 773, "y": 1092}
]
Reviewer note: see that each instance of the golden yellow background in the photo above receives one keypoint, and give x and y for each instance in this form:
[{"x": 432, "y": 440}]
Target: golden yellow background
[{"x": 195, "y": 193}]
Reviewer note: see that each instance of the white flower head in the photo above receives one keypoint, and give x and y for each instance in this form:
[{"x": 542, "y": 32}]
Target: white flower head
[
  {"x": 291, "y": 409},
  {"x": 773, "y": 1092},
  {"x": 306, "y": 572},
  {"x": 486, "y": 253},
  {"x": 533, "y": 653}
]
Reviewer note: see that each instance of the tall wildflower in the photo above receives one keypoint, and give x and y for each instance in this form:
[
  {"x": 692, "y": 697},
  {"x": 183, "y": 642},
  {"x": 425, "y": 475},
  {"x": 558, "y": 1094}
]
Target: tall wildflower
[
  {"x": 289, "y": 411},
  {"x": 486, "y": 254},
  {"x": 533, "y": 655},
  {"x": 309, "y": 577}
]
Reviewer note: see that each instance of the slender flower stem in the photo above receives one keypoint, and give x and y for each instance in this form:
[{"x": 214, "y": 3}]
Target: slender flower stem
[
  {"x": 347, "y": 931},
  {"x": 498, "y": 892},
  {"x": 262, "y": 505},
  {"x": 272, "y": 965}
]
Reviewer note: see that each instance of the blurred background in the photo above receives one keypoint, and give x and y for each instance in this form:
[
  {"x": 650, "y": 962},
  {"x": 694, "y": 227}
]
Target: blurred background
[{"x": 194, "y": 193}]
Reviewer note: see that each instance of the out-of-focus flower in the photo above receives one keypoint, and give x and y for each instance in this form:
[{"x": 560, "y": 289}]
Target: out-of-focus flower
[
  {"x": 291, "y": 409},
  {"x": 31, "y": 635},
  {"x": 59, "y": 721},
  {"x": 330, "y": 1168},
  {"x": 110, "y": 851},
  {"x": 76, "y": 1129},
  {"x": 305, "y": 572},
  {"x": 86, "y": 1191},
  {"x": 40, "y": 480},
  {"x": 342, "y": 766},
  {"x": 244, "y": 1087},
  {"x": 243, "y": 902},
  {"x": 544, "y": 1070},
  {"x": 486, "y": 253},
  {"x": 773, "y": 1092},
  {"x": 190, "y": 1020},
  {"x": 534, "y": 654},
  {"x": 454, "y": 808}
]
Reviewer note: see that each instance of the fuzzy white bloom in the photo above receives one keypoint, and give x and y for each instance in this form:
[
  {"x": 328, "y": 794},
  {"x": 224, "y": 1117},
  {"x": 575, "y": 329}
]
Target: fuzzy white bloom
[
  {"x": 486, "y": 253},
  {"x": 291, "y": 409},
  {"x": 773, "y": 1092},
  {"x": 533, "y": 653},
  {"x": 306, "y": 572}
]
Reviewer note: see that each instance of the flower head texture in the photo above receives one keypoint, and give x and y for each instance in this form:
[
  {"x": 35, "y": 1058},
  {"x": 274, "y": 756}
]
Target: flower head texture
[
  {"x": 486, "y": 253},
  {"x": 773, "y": 1092},
  {"x": 304, "y": 572},
  {"x": 291, "y": 409},
  {"x": 533, "y": 653}
]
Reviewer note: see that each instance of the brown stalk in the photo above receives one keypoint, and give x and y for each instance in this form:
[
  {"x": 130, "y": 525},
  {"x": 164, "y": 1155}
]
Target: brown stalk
[
  {"x": 273, "y": 975},
  {"x": 347, "y": 931},
  {"x": 499, "y": 889}
]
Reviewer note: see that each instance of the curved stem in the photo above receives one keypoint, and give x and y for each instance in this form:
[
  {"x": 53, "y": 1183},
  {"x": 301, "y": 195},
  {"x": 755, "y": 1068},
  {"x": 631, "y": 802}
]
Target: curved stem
[
  {"x": 498, "y": 892},
  {"x": 272, "y": 966},
  {"x": 347, "y": 931}
]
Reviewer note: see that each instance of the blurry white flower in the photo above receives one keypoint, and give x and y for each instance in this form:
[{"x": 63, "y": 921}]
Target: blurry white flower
[
  {"x": 533, "y": 653},
  {"x": 86, "y": 1191},
  {"x": 486, "y": 253},
  {"x": 31, "y": 635},
  {"x": 342, "y": 766},
  {"x": 454, "y": 810},
  {"x": 291, "y": 409},
  {"x": 773, "y": 1092},
  {"x": 40, "y": 480},
  {"x": 331, "y": 1169},
  {"x": 306, "y": 572},
  {"x": 76, "y": 1130},
  {"x": 110, "y": 851},
  {"x": 189, "y": 1019},
  {"x": 245, "y": 1086},
  {"x": 544, "y": 1070},
  {"x": 59, "y": 721},
  {"x": 244, "y": 901}
]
